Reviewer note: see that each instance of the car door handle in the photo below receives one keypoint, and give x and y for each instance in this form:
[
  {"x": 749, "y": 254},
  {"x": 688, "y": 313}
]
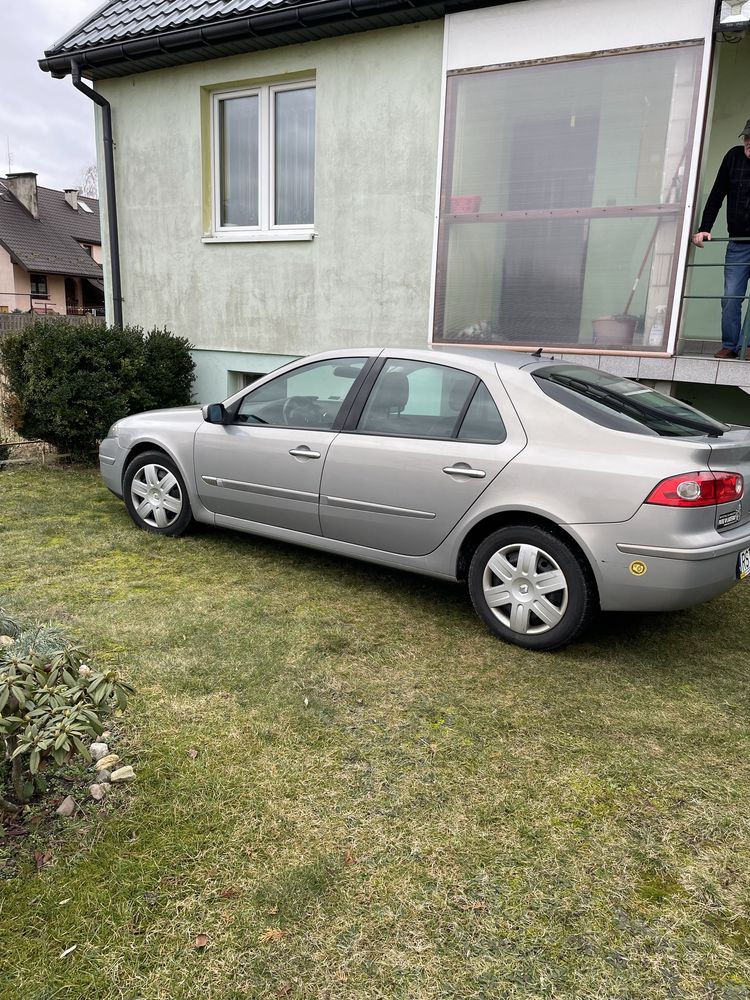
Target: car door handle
[
  {"x": 304, "y": 452},
  {"x": 465, "y": 470}
]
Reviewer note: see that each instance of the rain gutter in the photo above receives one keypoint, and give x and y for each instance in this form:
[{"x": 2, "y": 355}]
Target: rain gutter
[
  {"x": 109, "y": 183},
  {"x": 304, "y": 18}
]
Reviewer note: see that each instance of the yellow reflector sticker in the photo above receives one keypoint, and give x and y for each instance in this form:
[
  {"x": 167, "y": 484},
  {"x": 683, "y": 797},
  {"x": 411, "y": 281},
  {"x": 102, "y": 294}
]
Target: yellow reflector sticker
[{"x": 638, "y": 568}]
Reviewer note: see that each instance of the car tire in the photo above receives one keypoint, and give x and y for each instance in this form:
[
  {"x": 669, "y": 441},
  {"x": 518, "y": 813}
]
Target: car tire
[
  {"x": 155, "y": 495},
  {"x": 531, "y": 588}
]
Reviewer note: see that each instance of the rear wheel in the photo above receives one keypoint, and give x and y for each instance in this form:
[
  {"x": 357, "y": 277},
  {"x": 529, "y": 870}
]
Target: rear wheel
[
  {"x": 531, "y": 588},
  {"x": 155, "y": 494}
]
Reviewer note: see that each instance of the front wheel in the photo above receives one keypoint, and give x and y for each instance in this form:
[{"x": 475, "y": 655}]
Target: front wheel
[
  {"x": 531, "y": 588},
  {"x": 155, "y": 494}
]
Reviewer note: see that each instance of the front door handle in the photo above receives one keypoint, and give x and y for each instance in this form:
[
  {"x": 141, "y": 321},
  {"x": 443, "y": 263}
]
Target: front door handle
[
  {"x": 304, "y": 452},
  {"x": 465, "y": 470}
]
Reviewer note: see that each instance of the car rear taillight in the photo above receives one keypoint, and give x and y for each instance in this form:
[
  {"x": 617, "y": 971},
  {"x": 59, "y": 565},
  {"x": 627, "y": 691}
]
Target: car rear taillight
[{"x": 698, "y": 489}]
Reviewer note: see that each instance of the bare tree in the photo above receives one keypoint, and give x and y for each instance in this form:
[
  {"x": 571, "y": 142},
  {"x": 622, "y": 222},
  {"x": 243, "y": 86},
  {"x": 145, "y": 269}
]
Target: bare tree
[{"x": 89, "y": 186}]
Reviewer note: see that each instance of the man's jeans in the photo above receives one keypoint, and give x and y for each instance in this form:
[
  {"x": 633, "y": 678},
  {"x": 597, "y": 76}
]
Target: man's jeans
[{"x": 736, "y": 275}]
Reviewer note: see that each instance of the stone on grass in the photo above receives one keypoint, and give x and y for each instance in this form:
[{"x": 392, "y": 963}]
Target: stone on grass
[
  {"x": 99, "y": 790},
  {"x": 67, "y": 807},
  {"x": 103, "y": 776},
  {"x": 6, "y": 640},
  {"x": 99, "y": 750},
  {"x": 122, "y": 774},
  {"x": 107, "y": 762}
]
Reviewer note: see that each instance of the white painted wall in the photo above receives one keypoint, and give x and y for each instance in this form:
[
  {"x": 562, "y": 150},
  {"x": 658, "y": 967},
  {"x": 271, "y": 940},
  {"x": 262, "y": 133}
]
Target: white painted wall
[{"x": 546, "y": 29}]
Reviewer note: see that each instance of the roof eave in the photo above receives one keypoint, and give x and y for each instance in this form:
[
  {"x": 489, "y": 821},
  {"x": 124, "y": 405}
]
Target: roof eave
[{"x": 267, "y": 29}]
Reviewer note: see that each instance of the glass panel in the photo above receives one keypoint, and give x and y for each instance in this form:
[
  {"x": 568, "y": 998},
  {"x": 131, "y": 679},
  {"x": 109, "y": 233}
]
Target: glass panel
[
  {"x": 660, "y": 414},
  {"x": 295, "y": 156},
  {"x": 416, "y": 400},
  {"x": 238, "y": 169},
  {"x": 499, "y": 289},
  {"x": 308, "y": 397},
  {"x": 562, "y": 188},
  {"x": 482, "y": 421}
]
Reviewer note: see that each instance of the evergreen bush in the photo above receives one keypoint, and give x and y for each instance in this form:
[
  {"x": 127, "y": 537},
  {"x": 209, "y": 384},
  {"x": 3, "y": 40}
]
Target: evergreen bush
[{"x": 68, "y": 382}]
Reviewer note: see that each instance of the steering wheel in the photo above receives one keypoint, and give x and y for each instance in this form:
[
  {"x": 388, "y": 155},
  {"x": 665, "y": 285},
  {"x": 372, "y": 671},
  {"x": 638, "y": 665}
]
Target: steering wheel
[{"x": 300, "y": 411}]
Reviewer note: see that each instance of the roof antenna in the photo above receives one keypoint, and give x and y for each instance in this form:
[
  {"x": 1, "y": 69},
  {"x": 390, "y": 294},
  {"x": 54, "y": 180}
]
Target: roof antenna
[{"x": 537, "y": 353}]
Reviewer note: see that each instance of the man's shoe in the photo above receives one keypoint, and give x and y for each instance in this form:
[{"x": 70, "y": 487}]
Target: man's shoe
[{"x": 725, "y": 353}]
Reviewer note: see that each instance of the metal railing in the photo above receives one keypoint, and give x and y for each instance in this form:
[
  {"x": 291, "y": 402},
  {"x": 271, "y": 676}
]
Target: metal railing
[{"x": 745, "y": 328}]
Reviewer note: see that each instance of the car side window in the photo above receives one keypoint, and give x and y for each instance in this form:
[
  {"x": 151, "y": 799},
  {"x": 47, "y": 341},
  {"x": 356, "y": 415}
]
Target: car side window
[
  {"x": 417, "y": 399},
  {"x": 306, "y": 397},
  {"x": 482, "y": 421}
]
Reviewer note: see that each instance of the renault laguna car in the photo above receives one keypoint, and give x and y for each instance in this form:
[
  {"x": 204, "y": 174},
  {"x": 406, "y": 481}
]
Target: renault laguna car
[{"x": 554, "y": 490}]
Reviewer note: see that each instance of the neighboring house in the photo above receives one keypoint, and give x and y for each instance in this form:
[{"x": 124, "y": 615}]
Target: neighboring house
[
  {"x": 50, "y": 249},
  {"x": 301, "y": 176}
]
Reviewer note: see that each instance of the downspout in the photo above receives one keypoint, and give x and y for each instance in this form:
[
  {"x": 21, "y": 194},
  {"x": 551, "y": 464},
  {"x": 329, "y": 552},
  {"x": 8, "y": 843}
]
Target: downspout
[{"x": 109, "y": 180}]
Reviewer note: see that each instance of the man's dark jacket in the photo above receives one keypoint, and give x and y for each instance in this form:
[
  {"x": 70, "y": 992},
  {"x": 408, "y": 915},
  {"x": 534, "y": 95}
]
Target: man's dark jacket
[{"x": 733, "y": 183}]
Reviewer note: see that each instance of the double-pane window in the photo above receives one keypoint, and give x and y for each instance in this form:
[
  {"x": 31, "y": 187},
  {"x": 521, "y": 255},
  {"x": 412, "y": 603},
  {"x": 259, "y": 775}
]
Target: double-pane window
[{"x": 264, "y": 158}]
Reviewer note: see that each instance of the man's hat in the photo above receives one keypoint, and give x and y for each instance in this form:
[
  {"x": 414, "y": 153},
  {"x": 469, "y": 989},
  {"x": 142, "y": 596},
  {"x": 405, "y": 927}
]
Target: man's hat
[{"x": 746, "y": 129}]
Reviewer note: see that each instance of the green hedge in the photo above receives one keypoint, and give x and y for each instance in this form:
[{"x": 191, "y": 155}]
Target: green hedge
[{"x": 67, "y": 383}]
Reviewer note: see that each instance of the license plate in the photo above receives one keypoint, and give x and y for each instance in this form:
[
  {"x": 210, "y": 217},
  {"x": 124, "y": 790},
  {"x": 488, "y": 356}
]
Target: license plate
[{"x": 743, "y": 564}]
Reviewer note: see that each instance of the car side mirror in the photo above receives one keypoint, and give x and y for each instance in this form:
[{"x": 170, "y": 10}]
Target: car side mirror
[{"x": 215, "y": 413}]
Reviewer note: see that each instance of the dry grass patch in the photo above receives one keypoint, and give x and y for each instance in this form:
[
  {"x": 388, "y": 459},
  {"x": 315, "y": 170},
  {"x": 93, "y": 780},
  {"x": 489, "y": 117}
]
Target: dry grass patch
[{"x": 385, "y": 802}]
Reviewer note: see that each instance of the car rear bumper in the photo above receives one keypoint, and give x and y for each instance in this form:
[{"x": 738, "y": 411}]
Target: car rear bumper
[{"x": 643, "y": 577}]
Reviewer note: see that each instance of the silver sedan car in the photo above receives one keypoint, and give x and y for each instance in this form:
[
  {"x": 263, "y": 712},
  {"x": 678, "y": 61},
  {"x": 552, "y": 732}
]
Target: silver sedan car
[{"x": 553, "y": 489}]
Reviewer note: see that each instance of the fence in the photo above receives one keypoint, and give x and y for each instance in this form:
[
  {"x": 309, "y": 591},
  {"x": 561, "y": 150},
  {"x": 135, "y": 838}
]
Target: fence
[{"x": 18, "y": 321}]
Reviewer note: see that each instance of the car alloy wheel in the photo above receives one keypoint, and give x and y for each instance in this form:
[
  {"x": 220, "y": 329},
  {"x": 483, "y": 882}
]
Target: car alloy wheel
[
  {"x": 531, "y": 588},
  {"x": 155, "y": 494}
]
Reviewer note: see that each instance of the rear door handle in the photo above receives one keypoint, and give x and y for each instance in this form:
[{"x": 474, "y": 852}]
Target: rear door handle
[
  {"x": 465, "y": 470},
  {"x": 304, "y": 452}
]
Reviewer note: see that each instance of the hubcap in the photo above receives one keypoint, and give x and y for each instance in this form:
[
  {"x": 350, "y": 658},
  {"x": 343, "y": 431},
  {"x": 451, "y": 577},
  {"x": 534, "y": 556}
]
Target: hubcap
[
  {"x": 525, "y": 589},
  {"x": 156, "y": 496}
]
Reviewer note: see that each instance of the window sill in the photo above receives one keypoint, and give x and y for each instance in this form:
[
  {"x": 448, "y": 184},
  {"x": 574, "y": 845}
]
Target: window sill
[{"x": 270, "y": 236}]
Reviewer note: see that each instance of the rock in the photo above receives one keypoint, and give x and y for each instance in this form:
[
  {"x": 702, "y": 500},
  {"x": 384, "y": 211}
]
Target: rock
[
  {"x": 6, "y": 640},
  {"x": 122, "y": 774},
  {"x": 99, "y": 750},
  {"x": 99, "y": 791},
  {"x": 107, "y": 762},
  {"x": 103, "y": 776},
  {"x": 67, "y": 807},
  {"x": 105, "y": 735}
]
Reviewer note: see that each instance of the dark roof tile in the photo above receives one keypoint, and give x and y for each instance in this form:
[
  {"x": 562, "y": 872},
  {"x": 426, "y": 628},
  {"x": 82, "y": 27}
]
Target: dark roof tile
[
  {"x": 124, "y": 19},
  {"x": 51, "y": 243}
]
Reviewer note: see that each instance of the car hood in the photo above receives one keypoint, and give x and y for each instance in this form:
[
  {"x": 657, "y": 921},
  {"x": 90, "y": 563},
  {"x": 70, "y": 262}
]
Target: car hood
[{"x": 174, "y": 415}]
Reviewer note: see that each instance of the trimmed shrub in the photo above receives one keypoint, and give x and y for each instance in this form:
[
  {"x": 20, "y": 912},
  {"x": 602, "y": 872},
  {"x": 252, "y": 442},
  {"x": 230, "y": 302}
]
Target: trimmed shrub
[
  {"x": 168, "y": 370},
  {"x": 69, "y": 382}
]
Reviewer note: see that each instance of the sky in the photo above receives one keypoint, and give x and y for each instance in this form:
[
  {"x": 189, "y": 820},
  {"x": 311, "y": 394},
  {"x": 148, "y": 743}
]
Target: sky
[{"x": 47, "y": 124}]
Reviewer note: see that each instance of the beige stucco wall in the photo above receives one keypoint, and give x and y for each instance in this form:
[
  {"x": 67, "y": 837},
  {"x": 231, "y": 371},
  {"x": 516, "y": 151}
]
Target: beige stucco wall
[
  {"x": 366, "y": 276},
  {"x": 8, "y": 301}
]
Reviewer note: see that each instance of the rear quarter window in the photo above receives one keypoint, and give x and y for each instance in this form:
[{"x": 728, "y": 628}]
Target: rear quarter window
[{"x": 622, "y": 404}]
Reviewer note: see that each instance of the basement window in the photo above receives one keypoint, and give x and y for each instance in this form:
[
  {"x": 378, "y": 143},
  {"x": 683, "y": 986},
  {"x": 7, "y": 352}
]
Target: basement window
[{"x": 263, "y": 162}]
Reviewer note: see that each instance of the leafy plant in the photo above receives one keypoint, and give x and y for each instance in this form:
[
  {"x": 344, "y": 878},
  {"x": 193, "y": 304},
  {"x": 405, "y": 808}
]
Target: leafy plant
[
  {"x": 67, "y": 383},
  {"x": 51, "y": 704}
]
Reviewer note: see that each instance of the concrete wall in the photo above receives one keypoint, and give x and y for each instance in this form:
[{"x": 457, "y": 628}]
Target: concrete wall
[{"x": 365, "y": 278}]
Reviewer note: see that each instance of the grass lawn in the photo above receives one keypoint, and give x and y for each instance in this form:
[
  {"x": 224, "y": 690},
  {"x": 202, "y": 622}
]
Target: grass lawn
[{"x": 413, "y": 808}]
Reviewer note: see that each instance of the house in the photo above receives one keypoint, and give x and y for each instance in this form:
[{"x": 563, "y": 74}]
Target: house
[
  {"x": 296, "y": 176},
  {"x": 50, "y": 249}
]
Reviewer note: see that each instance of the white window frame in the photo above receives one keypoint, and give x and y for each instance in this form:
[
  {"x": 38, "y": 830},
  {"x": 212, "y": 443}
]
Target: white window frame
[{"x": 266, "y": 230}]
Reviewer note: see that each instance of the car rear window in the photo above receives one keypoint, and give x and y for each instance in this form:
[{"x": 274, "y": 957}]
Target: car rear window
[{"x": 621, "y": 404}]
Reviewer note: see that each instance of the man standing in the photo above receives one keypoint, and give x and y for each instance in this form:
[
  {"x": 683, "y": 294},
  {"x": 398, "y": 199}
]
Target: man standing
[{"x": 733, "y": 183}]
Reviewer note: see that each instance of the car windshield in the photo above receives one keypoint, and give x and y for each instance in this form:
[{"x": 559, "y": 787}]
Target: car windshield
[{"x": 611, "y": 394}]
